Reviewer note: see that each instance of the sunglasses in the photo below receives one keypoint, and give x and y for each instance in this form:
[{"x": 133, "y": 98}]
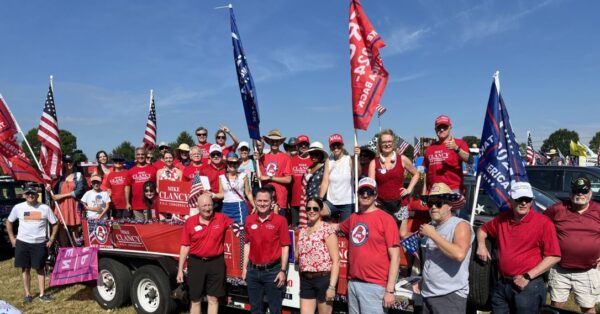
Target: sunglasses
[
  {"x": 68, "y": 161},
  {"x": 441, "y": 128},
  {"x": 146, "y": 191},
  {"x": 201, "y": 134},
  {"x": 233, "y": 164},
  {"x": 524, "y": 199},
  {"x": 96, "y": 182},
  {"x": 213, "y": 155},
  {"x": 435, "y": 202},
  {"x": 303, "y": 144},
  {"x": 582, "y": 190},
  {"x": 335, "y": 146},
  {"x": 312, "y": 209},
  {"x": 221, "y": 137},
  {"x": 366, "y": 192},
  {"x": 30, "y": 194}
]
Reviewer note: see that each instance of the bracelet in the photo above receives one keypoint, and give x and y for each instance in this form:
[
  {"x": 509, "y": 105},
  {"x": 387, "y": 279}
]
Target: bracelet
[
  {"x": 331, "y": 287},
  {"x": 390, "y": 292}
]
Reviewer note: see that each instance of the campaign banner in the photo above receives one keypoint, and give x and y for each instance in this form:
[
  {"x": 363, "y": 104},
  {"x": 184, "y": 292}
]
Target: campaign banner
[
  {"x": 233, "y": 248},
  {"x": 173, "y": 197},
  {"x": 342, "y": 287},
  {"x": 75, "y": 264}
]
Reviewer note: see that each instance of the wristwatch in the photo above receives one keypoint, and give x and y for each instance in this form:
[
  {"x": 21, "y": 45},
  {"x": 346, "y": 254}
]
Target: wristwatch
[
  {"x": 526, "y": 276},
  {"x": 270, "y": 178},
  {"x": 457, "y": 149},
  {"x": 283, "y": 271}
]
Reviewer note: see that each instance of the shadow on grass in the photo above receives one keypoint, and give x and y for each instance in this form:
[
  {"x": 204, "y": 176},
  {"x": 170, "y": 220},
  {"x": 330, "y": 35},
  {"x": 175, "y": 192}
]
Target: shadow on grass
[{"x": 75, "y": 292}]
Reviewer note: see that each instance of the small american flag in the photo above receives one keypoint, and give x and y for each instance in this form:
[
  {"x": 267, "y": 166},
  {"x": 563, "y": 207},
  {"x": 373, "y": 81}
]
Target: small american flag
[
  {"x": 380, "y": 110},
  {"x": 150, "y": 132},
  {"x": 402, "y": 146},
  {"x": 195, "y": 192},
  {"x": 417, "y": 151},
  {"x": 48, "y": 135},
  {"x": 411, "y": 244},
  {"x": 530, "y": 150}
]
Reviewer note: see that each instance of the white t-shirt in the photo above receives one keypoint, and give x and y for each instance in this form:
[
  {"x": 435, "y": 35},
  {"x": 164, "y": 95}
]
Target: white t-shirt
[
  {"x": 32, "y": 221},
  {"x": 92, "y": 199}
]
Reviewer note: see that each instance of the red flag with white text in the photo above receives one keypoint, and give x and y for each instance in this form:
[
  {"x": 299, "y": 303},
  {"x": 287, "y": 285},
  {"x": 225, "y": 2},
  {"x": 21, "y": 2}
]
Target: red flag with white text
[
  {"x": 8, "y": 127},
  {"x": 367, "y": 73},
  {"x": 15, "y": 163}
]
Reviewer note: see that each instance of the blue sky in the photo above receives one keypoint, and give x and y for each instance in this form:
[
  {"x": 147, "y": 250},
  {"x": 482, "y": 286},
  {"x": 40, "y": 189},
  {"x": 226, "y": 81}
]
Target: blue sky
[{"x": 106, "y": 56}]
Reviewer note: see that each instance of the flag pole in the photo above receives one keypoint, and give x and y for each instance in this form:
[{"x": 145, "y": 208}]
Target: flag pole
[
  {"x": 37, "y": 163},
  {"x": 256, "y": 163},
  {"x": 355, "y": 172},
  {"x": 379, "y": 121},
  {"x": 475, "y": 198}
]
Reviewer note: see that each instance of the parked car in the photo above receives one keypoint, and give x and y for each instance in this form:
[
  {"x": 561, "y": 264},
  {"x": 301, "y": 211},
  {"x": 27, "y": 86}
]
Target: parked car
[{"x": 557, "y": 179}]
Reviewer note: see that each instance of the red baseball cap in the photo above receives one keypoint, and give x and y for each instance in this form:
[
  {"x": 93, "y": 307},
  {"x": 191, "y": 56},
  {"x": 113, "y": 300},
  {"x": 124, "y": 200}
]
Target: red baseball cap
[
  {"x": 335, "y": 138},
  {"x": 302, "y": 139},
  {"x": 445, "y": 120}
]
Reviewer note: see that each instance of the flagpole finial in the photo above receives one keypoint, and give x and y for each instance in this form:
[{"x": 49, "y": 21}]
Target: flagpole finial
[{"x": 230, "y": 6}]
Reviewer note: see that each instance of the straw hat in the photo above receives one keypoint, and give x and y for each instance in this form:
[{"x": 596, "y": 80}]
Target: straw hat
[
  {"x": 274, "y": 135},
  {"x": 443, "y": 191}
]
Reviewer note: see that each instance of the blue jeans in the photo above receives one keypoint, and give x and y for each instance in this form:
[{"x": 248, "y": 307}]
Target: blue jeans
[
  {"x": 343, "y": 211},
  {"x": 365, "y": 298},
  {"x": 261, "y": 283},
  {"x": 507, "y": 298}
]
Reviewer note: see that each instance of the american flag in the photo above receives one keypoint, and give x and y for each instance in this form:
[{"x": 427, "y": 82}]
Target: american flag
[
  {"x": 150, "y": 132},
  {"x": 411, "y": 244},
  {"x": 195, "y": 191},
  {"x": 402, "y": 146},
  {"x": 380, "y": 110},
  {"x": 530, "y": 150},
  {"x": 50, "y": 151},
  {"x": 417, "y": 148}
]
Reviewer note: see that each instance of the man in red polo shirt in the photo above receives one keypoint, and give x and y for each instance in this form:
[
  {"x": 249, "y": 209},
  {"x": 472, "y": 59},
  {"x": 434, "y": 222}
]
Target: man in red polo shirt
[
  {"x": 194, "y": 167},
  {"x": 136, "y": 177},
  {"x": 203, "y": 144},
  {"x": 373, "y": 253},
  {"x": 213, "y": 170},
  {"x": 266, "y": 255},
  {"x": 202, "y": 241},
  {"x": 299, "y": 164},
  {"x": 444, "y": 158},
  {"x": 527, "y": 248},
  {"x": 577, "y": 223},
  {"x": 275, "y": 169},
  {"x": 115, "y": 182}
]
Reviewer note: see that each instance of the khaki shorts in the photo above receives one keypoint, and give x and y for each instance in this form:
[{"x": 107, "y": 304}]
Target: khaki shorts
[{"x": 584, "y": 284}]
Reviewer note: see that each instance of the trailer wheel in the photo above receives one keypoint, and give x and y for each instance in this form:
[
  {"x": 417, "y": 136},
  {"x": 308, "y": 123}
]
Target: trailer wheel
[
  {"x": 151, "y": 291},
  {"x": 480, "y": 278},
  {"x": 112, "y": 287}
]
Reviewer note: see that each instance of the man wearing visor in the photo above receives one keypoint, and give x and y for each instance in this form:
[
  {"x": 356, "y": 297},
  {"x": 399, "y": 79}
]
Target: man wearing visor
[{"x": 577, "y": 223}]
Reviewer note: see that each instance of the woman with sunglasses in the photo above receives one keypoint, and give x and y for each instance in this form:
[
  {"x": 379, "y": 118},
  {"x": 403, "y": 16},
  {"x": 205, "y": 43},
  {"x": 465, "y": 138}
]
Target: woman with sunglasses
[
  {"x": 102, "y": 169},
  {"x": 388, "y": 171},
  {"x": 317, "y": 255},
  {"x": 339, "y": 182},
  {"x": 169, "y": 172},
  {"x": 233, "y": 185},
  {"x": 221, "y": 138},
  {"x": 67, "y": 193},
  {"x": 96, "y": 201},
  {"x": 315, "y": 178}
]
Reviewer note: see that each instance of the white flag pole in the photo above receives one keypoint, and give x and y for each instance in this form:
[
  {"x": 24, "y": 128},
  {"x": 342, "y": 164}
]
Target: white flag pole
[
  {"x": 355, "y": 173},
  {"x": 475, "y": 198}
]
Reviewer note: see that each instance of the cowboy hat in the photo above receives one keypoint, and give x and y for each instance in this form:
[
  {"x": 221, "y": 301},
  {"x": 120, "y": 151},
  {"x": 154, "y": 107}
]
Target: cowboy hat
[
  {"x": 274, "y": 135},
  {"x": 443, "y": 191}
]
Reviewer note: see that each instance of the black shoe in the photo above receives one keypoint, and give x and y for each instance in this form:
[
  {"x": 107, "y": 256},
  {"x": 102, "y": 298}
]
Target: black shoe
[
  {"x": 27, "y": 299},
  {"x": 45, "y": 298}
]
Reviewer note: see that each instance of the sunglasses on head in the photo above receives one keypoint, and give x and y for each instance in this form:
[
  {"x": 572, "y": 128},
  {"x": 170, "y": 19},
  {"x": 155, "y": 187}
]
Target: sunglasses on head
[
  {"x": 368, "y": 192},
  {"x": 312, "y": 209},
  {"x": 435, "y": 202},
  {"x": 581, "y": 190},
  {"x": 524, "y": 199}
]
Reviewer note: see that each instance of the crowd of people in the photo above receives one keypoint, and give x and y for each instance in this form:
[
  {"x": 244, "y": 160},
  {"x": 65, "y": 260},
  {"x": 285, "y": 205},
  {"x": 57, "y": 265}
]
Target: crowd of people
[{"x": 305, "y": 186}]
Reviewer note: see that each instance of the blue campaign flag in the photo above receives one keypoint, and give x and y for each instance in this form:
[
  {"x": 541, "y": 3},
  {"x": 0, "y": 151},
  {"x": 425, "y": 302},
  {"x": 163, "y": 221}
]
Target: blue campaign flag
[
  {"x": 247, "y": 89},
  {"x": 500, "y": 161}
]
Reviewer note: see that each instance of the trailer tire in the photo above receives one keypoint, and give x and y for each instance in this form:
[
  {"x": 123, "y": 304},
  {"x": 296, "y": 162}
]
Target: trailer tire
[
  {"x": 112, "y": 287},
  {"x": 480, "y": 279},
  {"x": 151, "y": 291}
]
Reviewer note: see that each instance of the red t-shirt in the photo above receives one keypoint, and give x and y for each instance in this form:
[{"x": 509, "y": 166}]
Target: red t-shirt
[
  {"x": 205, "y": 240},
  {"x": 277, "y": 165},
  {"x": 159, "y": 164},
  {"x": 299, "y": 166},
  {"x": 389, "y": 181},
  {"x": 227, "y": 149},
  {"x": 213, "y": 174},
  {"x": 578, "y": 234},
  {"x": 369, "y": 237},
  {"x": 136, "y": 177},
  {"x": 419, "y": 214},
  {"x": 266, "y": 238},
  {"x": 204, "y": 150},
  {"x": 116, "y": 183},
  {"x": 444, "y": 165},
  {"x": 190, "y": 171},
  {"x": 522, "y": 245}
]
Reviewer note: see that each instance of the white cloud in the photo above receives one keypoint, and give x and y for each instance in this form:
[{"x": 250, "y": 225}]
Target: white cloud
[
  {"x": 403, "y": 40},
  {"x": 408, "y": 77}
]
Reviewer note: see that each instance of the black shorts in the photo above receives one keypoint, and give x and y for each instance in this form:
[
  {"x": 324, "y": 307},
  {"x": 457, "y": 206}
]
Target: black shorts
[
  {"x": 30, "y": 255},
  {"x": 206, "y": 277},
  {"x": 314, "y": 288},
  {"x": 390, "y": 207}
]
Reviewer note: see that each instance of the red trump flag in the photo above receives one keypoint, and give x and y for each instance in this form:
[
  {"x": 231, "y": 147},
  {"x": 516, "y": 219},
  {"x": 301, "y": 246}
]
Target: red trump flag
[
  {"x": 368, "y": 75},
  {"x": 8, "y": 126}
]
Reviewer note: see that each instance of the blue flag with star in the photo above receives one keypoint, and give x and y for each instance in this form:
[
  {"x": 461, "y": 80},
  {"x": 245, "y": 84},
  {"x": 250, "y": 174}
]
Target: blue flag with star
[
  {"x": 247, "y": 89},
  {"x": 500, "y": 161}
]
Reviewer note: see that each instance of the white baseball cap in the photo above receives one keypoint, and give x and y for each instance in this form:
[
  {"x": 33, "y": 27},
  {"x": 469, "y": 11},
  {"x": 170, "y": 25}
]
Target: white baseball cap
[
  {"x": 367, "y": 182},
  {"x": 520, "y": 189},
  {"x": 243, "y": 144},
  {"x": 215, "y": 148}
]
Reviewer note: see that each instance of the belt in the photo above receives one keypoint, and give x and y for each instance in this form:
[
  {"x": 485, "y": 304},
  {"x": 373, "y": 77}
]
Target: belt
[
  {"x": 315, "y": 274},
  {"x": 264, "y": 266},
  {"x": 573, "y": 270},
  {"x": 205, "y": 259},
  {"x": 506, "y": 279}
]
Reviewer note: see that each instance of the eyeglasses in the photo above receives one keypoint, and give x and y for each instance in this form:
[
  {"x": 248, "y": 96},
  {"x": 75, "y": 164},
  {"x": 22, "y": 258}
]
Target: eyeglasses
[
  {"x": 524, "y": 199},
  {"x": 582, "y": 190},
  {"x": 213, "y": 155},
  {"x": 438, "y": 203},
  {"x": 366, "y": 192},
  {"x": 221, "y": 137},
  {"x": 312, "y": 209},
  {"x": 387, "y": 142},
  {"x": 201, "y": 134}
]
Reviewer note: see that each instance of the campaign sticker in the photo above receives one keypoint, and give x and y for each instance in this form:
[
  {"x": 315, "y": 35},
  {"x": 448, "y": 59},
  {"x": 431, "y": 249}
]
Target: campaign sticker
[
  {"x": 198, "y": 228},
  {"x": 359, "y": 234},
  {"x": 254, "y": 227}
]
